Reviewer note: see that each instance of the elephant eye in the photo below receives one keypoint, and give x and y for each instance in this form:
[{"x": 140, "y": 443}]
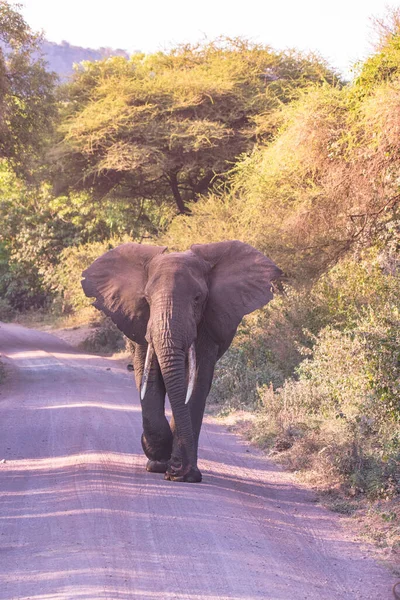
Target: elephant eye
[{"x": 197, "y": 298}]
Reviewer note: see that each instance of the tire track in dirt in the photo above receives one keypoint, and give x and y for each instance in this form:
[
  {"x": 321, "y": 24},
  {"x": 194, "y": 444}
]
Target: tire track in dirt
[{"x": 80, "y": 518}]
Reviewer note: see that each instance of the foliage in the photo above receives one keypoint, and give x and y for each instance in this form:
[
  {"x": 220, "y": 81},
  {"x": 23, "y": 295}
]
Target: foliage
[
  {"x": 6, "y": 310},
  {"x": 269, "y": 346},
  {"x": 337, "y": 415},
  {"x": 27, "y": 100},
  {"x": 383, "y": 65},
  {"x": 341, "y": 418},
  {"x": 275, "y": 339},
  {"x": 32, "y": 237},
  {"x": 38, "y": 227},
  {"x": 105, "y": 339},
  {"x": 166, "y": 126},
  {"x": 325, "y": 185}
]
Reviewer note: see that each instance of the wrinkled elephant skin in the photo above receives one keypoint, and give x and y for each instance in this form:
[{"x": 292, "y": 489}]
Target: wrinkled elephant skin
[{"x": 181, "y": 310}]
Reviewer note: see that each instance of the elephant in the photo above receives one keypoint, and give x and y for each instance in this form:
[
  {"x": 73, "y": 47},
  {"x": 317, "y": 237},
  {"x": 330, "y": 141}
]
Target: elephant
[{"x": 181, "y": 310}]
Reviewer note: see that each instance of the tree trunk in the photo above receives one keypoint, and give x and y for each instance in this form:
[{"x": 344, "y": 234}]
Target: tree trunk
[
  {"x": 204, "y": 183},
  {"x": 173, "y": 181}
]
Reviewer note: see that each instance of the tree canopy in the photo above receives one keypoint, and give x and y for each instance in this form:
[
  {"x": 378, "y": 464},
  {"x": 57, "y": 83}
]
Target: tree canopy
[{"x": 164, "y": 127}]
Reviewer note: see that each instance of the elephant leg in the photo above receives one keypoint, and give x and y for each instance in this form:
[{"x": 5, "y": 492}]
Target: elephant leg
[
  {"x": 157, "y": 435},
  {"x": 206, "y": 357},
  {"x": 175, "y": 470}
]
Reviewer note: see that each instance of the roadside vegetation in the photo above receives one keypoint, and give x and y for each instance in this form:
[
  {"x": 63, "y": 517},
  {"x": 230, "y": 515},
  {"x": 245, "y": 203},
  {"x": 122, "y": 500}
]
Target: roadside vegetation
[{"x": 218, "y": 141}]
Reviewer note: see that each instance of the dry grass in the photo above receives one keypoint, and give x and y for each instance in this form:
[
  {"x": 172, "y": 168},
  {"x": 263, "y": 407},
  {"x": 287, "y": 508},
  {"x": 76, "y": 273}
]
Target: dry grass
[
  {"x": 380, "y": 523},
  {"x": 377, "y": 522},
  {"x": 86, "y": 329},
  {"x": 46, "y": 320}
]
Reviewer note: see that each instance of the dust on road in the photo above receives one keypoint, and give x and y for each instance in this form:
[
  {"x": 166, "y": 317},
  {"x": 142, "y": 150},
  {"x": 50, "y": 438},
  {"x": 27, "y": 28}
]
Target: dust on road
[{"x": 80, "y": 518}]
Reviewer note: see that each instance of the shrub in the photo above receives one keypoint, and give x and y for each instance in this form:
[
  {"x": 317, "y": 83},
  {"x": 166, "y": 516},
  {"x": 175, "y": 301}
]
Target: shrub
[
  {"x": 6, "y": 310},
  {"x": 105, "y": 339},
  {"x": 322, "y": 366},
  {"x": 346, "y": 401}
]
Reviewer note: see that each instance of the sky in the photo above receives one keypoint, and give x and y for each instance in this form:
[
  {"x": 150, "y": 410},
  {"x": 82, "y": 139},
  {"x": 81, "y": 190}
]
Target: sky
[{"x": 340, "y": 30}]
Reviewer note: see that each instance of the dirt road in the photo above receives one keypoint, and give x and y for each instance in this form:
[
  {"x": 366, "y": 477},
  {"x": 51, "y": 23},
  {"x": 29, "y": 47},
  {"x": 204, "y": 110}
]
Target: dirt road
[{"x": 80, "y": 518}]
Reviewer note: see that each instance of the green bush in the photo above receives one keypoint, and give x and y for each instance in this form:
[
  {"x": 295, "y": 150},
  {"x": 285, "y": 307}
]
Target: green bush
[
  {"x": 105, "y": 339},
  {"x": 268, "y": 347},
  {"x": 384, "y": 64},
  {"x": 7, "y": 312},
  {"x": 323, "y": 368},
  {"x": 345, "y": 402}
]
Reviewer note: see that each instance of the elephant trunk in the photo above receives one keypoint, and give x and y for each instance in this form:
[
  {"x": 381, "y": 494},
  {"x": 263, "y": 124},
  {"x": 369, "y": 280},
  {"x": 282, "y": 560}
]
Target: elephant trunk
[
  {"x": 172, "y": 363},
  {"x": 191, "y": 374}
]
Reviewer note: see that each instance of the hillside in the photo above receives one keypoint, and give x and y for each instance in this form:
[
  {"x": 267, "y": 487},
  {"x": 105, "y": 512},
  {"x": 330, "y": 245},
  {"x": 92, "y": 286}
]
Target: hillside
[{"x": 62, "y": 57}]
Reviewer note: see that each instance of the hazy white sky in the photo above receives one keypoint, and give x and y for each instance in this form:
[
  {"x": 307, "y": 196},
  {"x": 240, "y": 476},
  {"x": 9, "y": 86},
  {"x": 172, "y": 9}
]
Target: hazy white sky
[{"x": 340, "y": 30}]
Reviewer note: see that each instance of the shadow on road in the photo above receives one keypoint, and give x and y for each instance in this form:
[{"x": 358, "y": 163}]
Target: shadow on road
[{"x": 81, "y": 519}]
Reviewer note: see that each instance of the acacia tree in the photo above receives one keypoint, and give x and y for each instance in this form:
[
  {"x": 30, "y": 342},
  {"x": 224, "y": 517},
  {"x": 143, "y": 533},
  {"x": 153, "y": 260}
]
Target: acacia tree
[
  {"x": 27, "y": 102},
  {"x": 164, "y": 127}
]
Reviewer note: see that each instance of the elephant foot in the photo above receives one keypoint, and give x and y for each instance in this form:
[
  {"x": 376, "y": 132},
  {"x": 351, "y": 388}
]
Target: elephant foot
[
  {"x": 156, "y": 466},
  {"x": 157, "y": 449},
  {"x": 191, "y": 475}
]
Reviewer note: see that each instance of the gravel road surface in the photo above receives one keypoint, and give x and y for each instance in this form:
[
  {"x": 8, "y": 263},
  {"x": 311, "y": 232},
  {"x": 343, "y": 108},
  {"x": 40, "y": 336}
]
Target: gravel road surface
[{"x": 80, "y": 518}]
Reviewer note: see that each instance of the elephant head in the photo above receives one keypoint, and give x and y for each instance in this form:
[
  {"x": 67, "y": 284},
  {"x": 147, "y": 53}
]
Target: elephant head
[{"x": 181, "y": 306}]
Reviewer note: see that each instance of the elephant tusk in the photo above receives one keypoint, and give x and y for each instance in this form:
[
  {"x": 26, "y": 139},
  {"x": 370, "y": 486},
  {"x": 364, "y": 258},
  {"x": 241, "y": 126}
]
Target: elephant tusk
[
  {"x": 146, "y": 370},
  {"x": 192, "y": 372}
]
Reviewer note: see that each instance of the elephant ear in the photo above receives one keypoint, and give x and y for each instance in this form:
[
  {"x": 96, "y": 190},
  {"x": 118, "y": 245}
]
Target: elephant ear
[
  {"x": 240, "y": 281},
  {"x": 117, "y": 281}
]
